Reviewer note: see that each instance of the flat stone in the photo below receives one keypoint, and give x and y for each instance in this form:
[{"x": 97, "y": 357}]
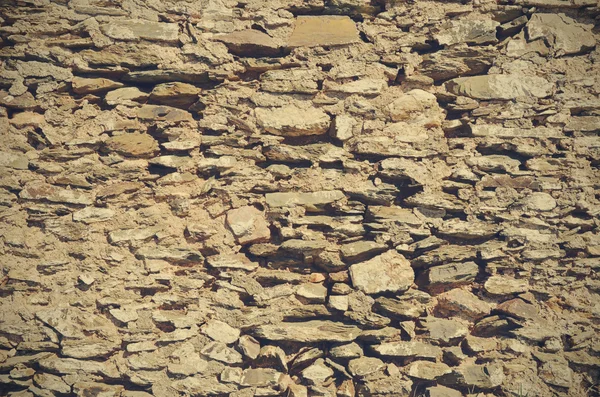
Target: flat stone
[
  {"x": 221, "y": 332},
  {"x": 494, "y": 163},
  {"x": 200, "y": 385},
  {"x": 312, "y": 292},
  {"x": 427, "y": 370},
  {"x": 339, "y": 302},
  {"x": 24, "y": 101},
  {"x": 250, "y": 43},
  {"x": 163, "y": 113},
  {"x": 171, "y": 254},
  {"x": 500, "y": 86},
  {"x": 361, "y": 250},
  {"x": 261, "y": 377},
  {"x": 470, "y": 31},
  {"x": 388, "y": 272},
  {"x": 220, "y": 352},
  {"x": 451, "y": 275},
  {"x": 504, "y": 285},
  {"x": 93, "y": 214},
  {"x": 98, "y": 389},
  {"x": 363, "y": 366},
  {"x": 248, "y": 225},
  {"x": 399, "y": 215},
  {"x": 411, "y": 304},
  {"x": 539, "y": 201},
  {"x": 486, "y": 376},
  {"x": 291, "y": 120},
  {"x": 125, "y": 95},
  {"x": 313, "y": 201},
  {"x": 51, "y": 383},
  {"x": 350, "y": 350},
  {"x": 498, "y": 131},
  {"x": 467, "y": 230},
  {"x": 408, "y": 349},
  {"x": 83, "y": 85},
  {"x": 317, "y": 373},
  {"x": 307, "y": 332},
  {"x": 13, "y": 160},
  {"x": 312, "y": 31},
  {"x": 231, "y": 261},
  {"x": 128, "y": 235},
  {"x": 175, "y": 94},
  {"x": 138, "y": 29},
  {"x": 518, "y": 308},
  {"x": 442, "y": 391},
  {"x": 462, "y": 303},
  {"x": 134, "y": 145},
  {"x": 563, "y": 33},
  {"x": 174, "y": 162},
  {"x": 444, "y": 331},
  {"x": 44, "y": 191}
]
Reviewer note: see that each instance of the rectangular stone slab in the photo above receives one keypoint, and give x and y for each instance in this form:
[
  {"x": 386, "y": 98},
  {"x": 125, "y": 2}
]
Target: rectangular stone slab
[
  {"x": 329, "y": 30},
  {"x": 309, "y": 331}
]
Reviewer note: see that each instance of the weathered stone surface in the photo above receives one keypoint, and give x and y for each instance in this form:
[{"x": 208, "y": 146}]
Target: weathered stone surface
[
  {"x": 221, "y": 332},
  {"x": 291, "y": 120},
  {"x": 175, "y": 94},
  {"x": 311, "y": 31},
  {"x": 231, "y": 261},
  {"x": 310, "y": 331},
  {"x": 136, "y": 29},
  {"x": 43, "y": 191},
  {"x": 468, "y": 31},
  {"x": 427, "y": 370},
  {"x": 92, "y": 86},
  {"x": 408, "y": 349},
  {"x": 248, "y": 225},
  {"x": 388, "y": 272},
  {"x": 250, "y": 43},
  {"x": 14, "y": 160},
  {"x": 312, "y": 201},
  {"x": 501, "y": 87},
  {"x": 504, "y": 285},
  {"x": 134, "y": 145},
  {"x": 563, "y": 33}
]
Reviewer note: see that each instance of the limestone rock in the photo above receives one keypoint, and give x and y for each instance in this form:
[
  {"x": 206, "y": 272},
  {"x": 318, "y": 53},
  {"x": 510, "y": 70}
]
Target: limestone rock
[
  {"x": 248, "y": 225},
  {"x": 564, "y": 34},
  {"x": 503, "y": 285},
  {"x": 250, "y": 43},
  {"x": 388, "y": 272},
  {"x": 312, "y": 201},
  {"x": 92, "y": 86},
  {"x": 136, "y": 29},
  {"x": 327, "y": 30},
  {"x": 500, "y": 87},
  {"x": 468, "y": 31},
  {"x": 309, "y": 331},
  {"x": 291, "y": 120}
]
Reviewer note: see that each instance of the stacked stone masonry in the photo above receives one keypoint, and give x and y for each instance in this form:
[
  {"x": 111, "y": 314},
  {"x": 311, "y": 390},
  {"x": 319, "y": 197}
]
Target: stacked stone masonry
[{"x": 337, "y": 198}]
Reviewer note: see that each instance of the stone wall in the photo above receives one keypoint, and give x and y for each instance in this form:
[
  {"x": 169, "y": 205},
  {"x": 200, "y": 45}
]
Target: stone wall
[{"x": 299, "y": 198}]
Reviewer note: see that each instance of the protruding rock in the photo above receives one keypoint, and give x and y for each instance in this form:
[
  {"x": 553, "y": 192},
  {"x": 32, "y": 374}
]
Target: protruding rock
[
  {"x": 326, "y": 30},
  {"x": 92, "y": 86},
  {"x": 248, "y": 225},
  {"x": 291, "y": 120},
  {"x": 250, "y": 43},
  {"x": 137, "y": 29},
  {"x": 134, "y": 145},
  {"x": 388, "y": 272},
  {"x": 563, "y": 33},
  {"x": 308, "y": 332},
  {"x": 500, "y": 86}
]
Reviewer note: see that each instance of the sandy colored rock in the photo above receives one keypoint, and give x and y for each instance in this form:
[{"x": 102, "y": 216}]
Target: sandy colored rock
[
  {"x": 293, "y": 121},
  {"x": 500, "y": 87},
  {"x": 250, "y": 43},
  {"x": 136, "y": 29},
  {"x": 248, "y": 225},
  {"x": 134, "y": 145},
  {"x": 388, "y": 272},
  {"x": 312, "y": 31},
  {"x": 92, "y": 86}
]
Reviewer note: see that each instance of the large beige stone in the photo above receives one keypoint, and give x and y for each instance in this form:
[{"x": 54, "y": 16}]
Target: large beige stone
[
  {"x": 500, "y": 86},
  {"x": 327, "y": 30},
  {"x": 248, "y": 225},
  {"x": 291, "y": 120},
  {"x": 136, "y": 29},
  {"x": 563, "y": 33},
  {"x": 134, "y": 145},
  {"x": 388, "y": 272},
  {"x": 250, "y": 43},
  {"x": 83, "y": 85}
]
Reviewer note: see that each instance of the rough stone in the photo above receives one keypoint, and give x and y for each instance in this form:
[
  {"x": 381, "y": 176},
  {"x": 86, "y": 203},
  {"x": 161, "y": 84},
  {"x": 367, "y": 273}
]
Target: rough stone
[
  {"x": 388, "y": 272},
  {"x": 292, "y": 121},
  {"x": 327, "y": 30}
]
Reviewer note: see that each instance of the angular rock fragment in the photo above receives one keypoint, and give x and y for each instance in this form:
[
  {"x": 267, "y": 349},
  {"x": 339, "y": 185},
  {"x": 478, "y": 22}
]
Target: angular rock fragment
[
  {"x": 175, "y": 94},
  {"x": 388, "y": 272},
  {"x": 43, "y": 191},
  {"x": 248, "y": 225},
  {"x": 563, "y": 33},
  {"x": 250, "y": 43},
  {"x": 410, "y": 349},
  {"x": 468, "y": 31},
  {"x": 231, "y": 261},
  {"x": 503, "y": 285},
  {"x": 313, "y": 201},
  {"x": 92, "y": 86}
]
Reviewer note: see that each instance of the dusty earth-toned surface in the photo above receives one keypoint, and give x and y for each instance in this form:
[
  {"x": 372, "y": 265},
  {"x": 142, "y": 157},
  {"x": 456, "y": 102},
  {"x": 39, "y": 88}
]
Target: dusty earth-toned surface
[{"x": 299, "y": 198}]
